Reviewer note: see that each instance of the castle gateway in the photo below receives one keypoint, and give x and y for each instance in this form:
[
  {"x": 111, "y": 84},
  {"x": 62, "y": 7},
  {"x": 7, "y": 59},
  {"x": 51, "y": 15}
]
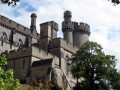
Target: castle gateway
[{"x": 42, "y": 56}]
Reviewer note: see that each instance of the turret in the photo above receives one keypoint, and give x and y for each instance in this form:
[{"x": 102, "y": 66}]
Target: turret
[
  {"x": 81, "y": 34},
  {"x": 33, "y": 21},
  {"x": 67, "y": 27}
]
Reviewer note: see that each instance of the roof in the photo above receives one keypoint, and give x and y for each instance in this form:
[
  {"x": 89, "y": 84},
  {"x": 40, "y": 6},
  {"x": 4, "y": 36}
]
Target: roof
[{"x": 42, "y": 62}]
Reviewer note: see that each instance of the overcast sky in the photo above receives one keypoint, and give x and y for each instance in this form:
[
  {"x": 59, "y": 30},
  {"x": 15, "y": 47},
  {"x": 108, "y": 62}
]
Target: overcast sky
[{"x": 102, "y": 16}]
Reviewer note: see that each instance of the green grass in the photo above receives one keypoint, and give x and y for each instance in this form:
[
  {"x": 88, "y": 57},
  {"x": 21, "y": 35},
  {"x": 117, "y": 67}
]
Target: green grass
[{"x": 23, "y": 87}]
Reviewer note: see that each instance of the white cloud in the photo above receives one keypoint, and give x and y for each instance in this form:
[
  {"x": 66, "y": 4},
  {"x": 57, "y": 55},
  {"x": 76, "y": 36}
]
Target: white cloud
[{"x": 102, "y": 16}]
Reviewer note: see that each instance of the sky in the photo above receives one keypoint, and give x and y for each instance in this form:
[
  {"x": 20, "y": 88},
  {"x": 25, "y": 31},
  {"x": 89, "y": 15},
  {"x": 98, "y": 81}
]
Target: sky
[{"x": 102, "y": 16}]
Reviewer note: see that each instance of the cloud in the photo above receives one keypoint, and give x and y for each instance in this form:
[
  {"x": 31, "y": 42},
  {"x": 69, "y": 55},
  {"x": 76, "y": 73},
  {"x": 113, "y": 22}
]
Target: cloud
[{"x": 101, "y": 15}]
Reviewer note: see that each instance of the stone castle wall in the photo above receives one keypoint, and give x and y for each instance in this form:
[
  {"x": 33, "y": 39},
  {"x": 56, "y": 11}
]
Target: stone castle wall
[
  {"x": 59, "y": 42},
  {"x": 10, "y": 24}
]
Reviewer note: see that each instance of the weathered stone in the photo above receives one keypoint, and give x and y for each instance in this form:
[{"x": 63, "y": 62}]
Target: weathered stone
[{"x": 42, "y": 56}]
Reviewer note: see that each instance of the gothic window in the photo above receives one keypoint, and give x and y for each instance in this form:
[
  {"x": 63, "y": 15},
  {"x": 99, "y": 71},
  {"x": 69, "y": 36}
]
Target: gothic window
[
  {"x": 3, "y": 37},
  {"x": 19, "y": 43}
]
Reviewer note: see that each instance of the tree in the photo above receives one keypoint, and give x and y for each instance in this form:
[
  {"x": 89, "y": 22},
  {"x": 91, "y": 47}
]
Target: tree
[
  {"x": 115, "y": 1},
  {"x": 14, "y": 2},
  {"x": 97, "y": 69},
  {"x": 7, "y": 82},
  {"x": 10, "y": 2}
]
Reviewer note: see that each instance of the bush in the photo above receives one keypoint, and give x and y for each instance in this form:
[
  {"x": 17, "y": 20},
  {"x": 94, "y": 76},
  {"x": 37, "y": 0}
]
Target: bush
[{"x": 7, "y": 82}]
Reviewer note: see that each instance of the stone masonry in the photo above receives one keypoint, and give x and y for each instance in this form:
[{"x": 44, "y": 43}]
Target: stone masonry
[{"x": 42, "y": 56}]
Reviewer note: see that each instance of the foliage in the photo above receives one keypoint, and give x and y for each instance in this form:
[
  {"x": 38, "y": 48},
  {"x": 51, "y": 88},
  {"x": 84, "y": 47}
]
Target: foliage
[
  {"x": 115, "y": 1},
  {"x": 6, "y": 76},
  {"x": 96, "y": 68},
  {"x": 10, "y": 2},
  {"x": 39, "y": 85},
  {"x": 14, "y": 2}
]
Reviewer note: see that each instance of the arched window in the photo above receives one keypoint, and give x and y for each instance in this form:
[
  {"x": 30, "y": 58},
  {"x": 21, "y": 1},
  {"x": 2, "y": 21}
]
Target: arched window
[
  {"x": 19, "y": 42},
  {"x": 3, "y": 37}
]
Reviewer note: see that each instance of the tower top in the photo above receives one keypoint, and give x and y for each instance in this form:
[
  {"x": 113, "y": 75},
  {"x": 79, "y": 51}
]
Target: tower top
[
  {"x": 67, "y": 14},
  {"x": 33, "y": 15}
]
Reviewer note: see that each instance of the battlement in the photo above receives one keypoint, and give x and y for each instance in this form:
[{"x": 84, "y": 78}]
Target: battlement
[
  {"x": 53, "y": 24},
  {"x": 67, "y": 25},
  {"x": 8, "y": 23},
  {"x": 39, "y": 53},
  {"x": 83, "y": 27},
  {"x": 60, "y": 42},
  {"x": 30, "y": 51},
  {"x": 21, "y": 52}
]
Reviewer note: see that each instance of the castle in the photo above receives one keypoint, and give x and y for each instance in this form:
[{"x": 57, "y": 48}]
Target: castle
[{"x": 42, "y": 56}]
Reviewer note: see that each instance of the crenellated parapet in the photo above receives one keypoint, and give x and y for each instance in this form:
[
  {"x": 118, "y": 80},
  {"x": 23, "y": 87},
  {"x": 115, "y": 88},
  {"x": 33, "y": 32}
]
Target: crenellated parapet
[
  {"x": 18, "y": 53},
  {"x": 67, "y": 26},
  {"x": 10, "y": 24},
  {"x": 82, "y": 27},
  {"x": 53, "y": 24},
  {"x": 61, "y": 43},
  {"x": 81, "y": 33}
]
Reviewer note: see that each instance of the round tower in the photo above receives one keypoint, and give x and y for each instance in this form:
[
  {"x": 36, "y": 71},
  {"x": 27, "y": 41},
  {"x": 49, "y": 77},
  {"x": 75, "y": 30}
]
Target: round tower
[
  {"x": 81, "y": 34},
  {"x": 67, "y": 27},
  {"x": 33, "y": 21}
]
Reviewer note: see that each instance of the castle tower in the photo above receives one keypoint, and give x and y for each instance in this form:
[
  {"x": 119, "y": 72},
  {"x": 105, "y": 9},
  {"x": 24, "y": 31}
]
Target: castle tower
[
  {"x": 48, "y": 31},
  {"x": 67, "y": 27},
  {"x": 81, "y": 34},
  {"x": 33, "y": 21}
]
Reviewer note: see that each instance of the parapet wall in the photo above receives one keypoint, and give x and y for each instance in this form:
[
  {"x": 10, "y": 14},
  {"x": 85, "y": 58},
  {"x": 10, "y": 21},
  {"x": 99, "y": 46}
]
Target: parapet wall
[
  {"x": 8, "y": 23},
  {"x": 59, "y": 42},
  {"x": 54, "y": 25},
  {"x": 67, "y": 26},
  {"x": 51, "y": 23},
  {"x": 39, "y": 53},
  {"x": 31, "y": 51},
  {"x": 83, "y": 27},
  {"x": 21, "y": 52}
]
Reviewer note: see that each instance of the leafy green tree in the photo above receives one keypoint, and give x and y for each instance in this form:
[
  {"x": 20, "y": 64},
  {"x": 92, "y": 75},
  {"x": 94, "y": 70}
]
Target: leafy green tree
[
  {"x": 115, "y": 1},
  {"x": 14, "y": 2},
  {"x": 7, "y": 82},
  {"x": 10, "y": 2},
  {"x": 95, "y": 67}
]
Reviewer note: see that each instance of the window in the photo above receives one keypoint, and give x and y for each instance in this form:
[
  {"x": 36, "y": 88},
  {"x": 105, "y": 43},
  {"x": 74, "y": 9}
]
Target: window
[
  {"x": 19, "y": 42},
  {"x": 23, "y": 64},
  {"x": 3, "y": 37},
  {"x": 67, "y": 67}
]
